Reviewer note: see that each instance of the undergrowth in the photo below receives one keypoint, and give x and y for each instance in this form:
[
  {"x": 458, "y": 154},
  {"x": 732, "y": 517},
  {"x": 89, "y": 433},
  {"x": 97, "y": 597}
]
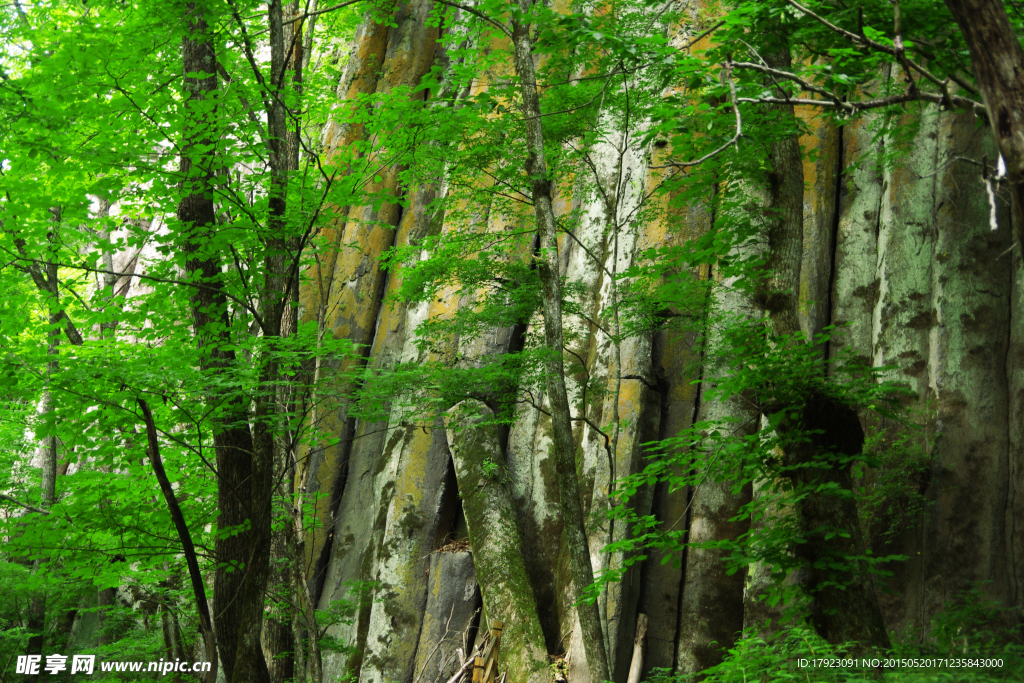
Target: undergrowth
[{"x": 971, "y": 627}]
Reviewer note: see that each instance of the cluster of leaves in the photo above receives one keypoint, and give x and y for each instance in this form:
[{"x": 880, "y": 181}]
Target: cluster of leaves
[
  {"x": 92, "y": 118},
  {"x": 969, "y": 626},
  {"x": 891, "y": 494},
  {"x": 764, "y": 371}
]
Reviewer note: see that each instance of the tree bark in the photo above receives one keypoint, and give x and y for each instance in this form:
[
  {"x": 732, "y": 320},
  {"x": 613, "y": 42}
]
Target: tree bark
[
  {"x": 548, "y": 272},
  {"x": 109, "y": 280},
  {"x": 243, "y": 557},
  {"x": 496, "y": 541},
  {"x": 711, "y": 604},
  {"x": 278, "y": 634},
  {"x": 47, "y": 409},
  {"x": 998, "y": 63}
]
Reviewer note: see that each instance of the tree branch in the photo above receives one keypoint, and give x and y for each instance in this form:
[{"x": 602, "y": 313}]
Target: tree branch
[
  {"x": 188, "y": 548},
  {"x": 101, "y": 271},
  {"x": 17, "y": 502},
  {"x": 863, "y": 105},
  {"x": 732, "y": 141}
]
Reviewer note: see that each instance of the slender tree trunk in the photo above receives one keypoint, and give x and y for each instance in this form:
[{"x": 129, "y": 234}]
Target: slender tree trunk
[
  {"x": 240, "y": 579},
  {"x": 198, "y": 587},
  {"x": 547, "y": 270},
  {"x": 278, "y": 636},
  {"x": 293, "y": 54},
  {"x": 48, "y": 450},
  {"x": 108, "y": 279}
]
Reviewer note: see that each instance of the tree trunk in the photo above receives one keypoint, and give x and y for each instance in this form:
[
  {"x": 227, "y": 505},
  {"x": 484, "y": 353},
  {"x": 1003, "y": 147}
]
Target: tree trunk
[
  {"x": 998, "y": 63},
  {"x": 107, "y": 279},
  {"x": 242, "y": 557},
  {"x": 48, "y": 450},
  {"x": 848, "y": 611},
  {"x": 278, "y": 633},
  {"x": 711, "y": 605},
  {"x": 844, "y": 606},
  {"x": 188, "y": 549},
  {"x": 496, "y": 541},
  {"x": 548, "y": 272}
]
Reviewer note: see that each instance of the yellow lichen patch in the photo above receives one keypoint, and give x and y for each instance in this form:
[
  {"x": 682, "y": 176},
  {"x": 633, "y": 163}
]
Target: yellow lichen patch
[
  {"x": 350, "y": 313},
  {"x": 409, "y": 482},
  {"x": 812, "y": 167},
  {"x": 820, "y": 166},
  {"x": 360, "y": 77}
]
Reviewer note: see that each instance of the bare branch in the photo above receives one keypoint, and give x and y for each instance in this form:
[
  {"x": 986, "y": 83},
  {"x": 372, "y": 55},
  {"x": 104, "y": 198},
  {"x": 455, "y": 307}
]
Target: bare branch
[
  {"x": 863, "y": 105},
  {"x": 478, "y": 14},
  {"x": 732, "y": 141},
  {"x": 101, "y": 271},
  {"x": 809, "y": 87},
  {"x": 20, "y": 504}
]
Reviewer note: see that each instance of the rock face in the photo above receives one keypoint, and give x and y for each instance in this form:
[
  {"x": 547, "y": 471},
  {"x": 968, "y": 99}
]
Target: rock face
[
  {"x": 901, "y": 257},
  {"x": 450, "y": 616}
]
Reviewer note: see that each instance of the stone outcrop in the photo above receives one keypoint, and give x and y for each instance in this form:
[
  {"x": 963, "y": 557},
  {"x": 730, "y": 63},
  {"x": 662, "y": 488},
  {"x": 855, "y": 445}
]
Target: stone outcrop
[
  {"x": 450, "y": 618},
  {"x": 900, "y": 256}
]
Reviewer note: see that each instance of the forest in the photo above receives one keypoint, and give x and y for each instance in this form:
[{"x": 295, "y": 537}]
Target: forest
[{"x": 632, "y": 340}]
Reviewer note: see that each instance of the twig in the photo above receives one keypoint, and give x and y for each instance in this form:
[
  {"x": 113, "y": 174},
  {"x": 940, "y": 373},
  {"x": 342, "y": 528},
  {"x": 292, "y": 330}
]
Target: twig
[
  {"x": 140, "y": 276},
  {"x": 732, "y": 141},
  {"x": 702, "y": 35},
  {"x": 4, "y": 496},
  {"x": 477, "y": 13},
  {"x": 641, "y": 379},
  {"x": 466, "y": 666},
  {"x": 810, "y": 87},
  {"x": 440, "y": 641},
  {"x": 864, "y": 105}
]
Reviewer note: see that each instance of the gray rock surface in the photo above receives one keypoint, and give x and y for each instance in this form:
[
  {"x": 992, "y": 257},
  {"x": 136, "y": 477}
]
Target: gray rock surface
[{"x": 453, "y": 603}]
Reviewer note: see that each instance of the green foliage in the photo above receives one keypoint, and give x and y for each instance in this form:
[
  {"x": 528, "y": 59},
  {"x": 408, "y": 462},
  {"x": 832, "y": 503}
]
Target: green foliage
[
  {"x": 94, "y": 112},
  {"x": 774, "y": 372},
  {"x": 343, "y": 611},
  {"x": 969, "y": 627},
  {"x": 892, "y": 491},
  {"x": 973, "y": 622},
  {"x": 93, "y": 115}
]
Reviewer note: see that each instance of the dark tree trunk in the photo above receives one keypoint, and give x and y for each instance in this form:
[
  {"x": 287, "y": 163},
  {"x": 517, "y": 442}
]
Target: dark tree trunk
[
  {"x": 241, "y": 575},
  {"x": 998, "y": 63},
  {"x": 844, "y": 606},
  {"x": 273, "y": 445},
  {"x": 172, "y": 636}
]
